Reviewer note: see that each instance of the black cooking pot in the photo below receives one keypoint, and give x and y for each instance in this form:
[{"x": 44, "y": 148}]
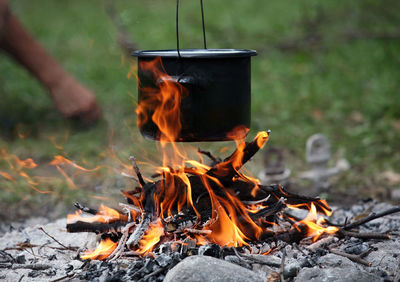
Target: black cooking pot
[{"x": 217, "y": 83}]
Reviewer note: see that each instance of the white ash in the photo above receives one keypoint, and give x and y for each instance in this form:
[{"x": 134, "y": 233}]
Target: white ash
[{"x": 40, "y": 258}]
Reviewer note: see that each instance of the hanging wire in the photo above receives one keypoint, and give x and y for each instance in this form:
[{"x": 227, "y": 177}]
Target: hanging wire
[
  {"x": 204, "y": 28},
  {"x": 177, "y": 28}
]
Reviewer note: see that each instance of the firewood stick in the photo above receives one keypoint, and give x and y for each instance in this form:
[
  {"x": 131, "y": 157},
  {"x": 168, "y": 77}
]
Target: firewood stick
[
  {"x": 292, "y": 198},
  {"x": 95, "y": 227},
  {"x": 354, "y": 258},
  {"x": 140, "y": 230},
  {"x": 371, "y": 217},
  {"x": 270, "y": 210},
  {"x": 229, "y": 167}
]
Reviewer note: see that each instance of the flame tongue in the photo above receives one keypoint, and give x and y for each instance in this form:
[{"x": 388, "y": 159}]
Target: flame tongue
[{"x": 103, "y": 250}]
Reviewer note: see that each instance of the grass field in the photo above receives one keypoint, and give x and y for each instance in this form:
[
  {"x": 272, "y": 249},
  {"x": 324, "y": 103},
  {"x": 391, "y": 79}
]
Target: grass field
[{"x": 324, "y": 66}]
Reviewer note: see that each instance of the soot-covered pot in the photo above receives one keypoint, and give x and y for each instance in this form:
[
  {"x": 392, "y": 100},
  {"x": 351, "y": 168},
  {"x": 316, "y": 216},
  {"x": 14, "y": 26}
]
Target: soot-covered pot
[{"x": 217, "y": 83}]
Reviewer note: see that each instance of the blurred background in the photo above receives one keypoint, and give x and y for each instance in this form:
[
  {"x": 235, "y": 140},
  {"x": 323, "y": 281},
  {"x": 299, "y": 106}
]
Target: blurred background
[{"x": 330, "y": 67}]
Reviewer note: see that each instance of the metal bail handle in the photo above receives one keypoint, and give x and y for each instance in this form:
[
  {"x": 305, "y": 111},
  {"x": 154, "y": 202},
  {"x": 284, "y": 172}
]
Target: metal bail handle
[{"x": 177, "y": 27}]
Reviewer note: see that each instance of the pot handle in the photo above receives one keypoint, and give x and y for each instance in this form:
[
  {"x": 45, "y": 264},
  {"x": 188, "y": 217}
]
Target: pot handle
[
  {"x": 184, "y": 80},
  {"x": 177, "y": 26}
]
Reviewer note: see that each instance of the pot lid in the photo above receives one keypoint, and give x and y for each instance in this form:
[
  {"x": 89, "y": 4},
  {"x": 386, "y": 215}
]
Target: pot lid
[{"x": 195, "y": 53}]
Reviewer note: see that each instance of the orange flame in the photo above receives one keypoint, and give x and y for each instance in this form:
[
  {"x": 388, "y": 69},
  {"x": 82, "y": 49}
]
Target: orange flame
[
  {"x": 103, "y": 250},
  {"x": 230, "y": 223},
  {"x": 104, "y": 215},
  {"x": 314, "y": 224},
  {"x": 151, "y": 238}
]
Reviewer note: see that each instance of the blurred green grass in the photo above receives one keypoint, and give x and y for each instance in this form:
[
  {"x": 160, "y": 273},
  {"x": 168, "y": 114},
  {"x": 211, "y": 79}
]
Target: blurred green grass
[{"x": 330, "y": 67}]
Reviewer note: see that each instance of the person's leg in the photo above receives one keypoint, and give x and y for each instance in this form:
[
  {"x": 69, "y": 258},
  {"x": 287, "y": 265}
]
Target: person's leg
[{"x": 70, "y": 97}]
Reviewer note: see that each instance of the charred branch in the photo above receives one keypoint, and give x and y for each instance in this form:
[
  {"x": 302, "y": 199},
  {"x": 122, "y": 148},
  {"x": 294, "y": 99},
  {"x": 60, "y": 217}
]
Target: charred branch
[
  {"x": 85, "y": 209},
  {"x": 137, "y": 171},
  {"x": 95, "y": 227},
  {"x": 215, "y": 160},
  {"x": 225, "y": 170}
]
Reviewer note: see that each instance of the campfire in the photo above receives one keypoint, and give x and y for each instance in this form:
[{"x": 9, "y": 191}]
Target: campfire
[
  {"x": 197, "y": 218},
  {"x": 186, "y": 200}
]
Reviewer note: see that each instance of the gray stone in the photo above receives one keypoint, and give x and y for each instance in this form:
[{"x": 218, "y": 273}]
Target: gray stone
[
  {"x": 205, "y": 268},
  {"x": 335, "y": 274}
]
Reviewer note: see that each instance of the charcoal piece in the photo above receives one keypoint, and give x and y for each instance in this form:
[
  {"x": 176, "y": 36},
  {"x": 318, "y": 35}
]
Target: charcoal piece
[
  {"x": 205, "y": 268},
  {"x": 117, "y": 276},
  {"x": 147, "y": 267},
  {"x": 356, "y": 249},
  {"x": 20, "y": 259},
  {"x": 50, "y": 272},
  {"x": 212, "y": 250},
  {"x": 135, "y": 276},
  {"x": 52, "y": 257},
  {"x": 163, "y": 260},
  {"x": 34, "y": 273},
  {"x": 165, "y": 248},
  {"x": 135, "y": 265}
]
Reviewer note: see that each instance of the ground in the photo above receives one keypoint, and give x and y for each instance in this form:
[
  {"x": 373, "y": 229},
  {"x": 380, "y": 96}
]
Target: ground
[{"x": 327, "y": 67}]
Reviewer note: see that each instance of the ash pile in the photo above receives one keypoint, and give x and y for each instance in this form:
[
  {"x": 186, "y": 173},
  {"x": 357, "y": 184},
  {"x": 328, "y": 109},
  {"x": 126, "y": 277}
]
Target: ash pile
[{"x": 45, "y": 252}]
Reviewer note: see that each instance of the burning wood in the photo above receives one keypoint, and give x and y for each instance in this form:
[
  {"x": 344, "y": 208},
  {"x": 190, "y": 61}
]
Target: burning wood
[
  {"x": 216, "y": 204},
  {"x": 231, "y": 209}
]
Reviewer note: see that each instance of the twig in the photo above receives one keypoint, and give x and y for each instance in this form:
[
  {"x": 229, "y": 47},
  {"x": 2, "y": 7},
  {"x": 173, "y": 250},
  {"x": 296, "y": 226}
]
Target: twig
[
  {"x": 139, "y": 232},
  {"x": 282, "y": 264},
  {"x": 137, "y": 171},
  {"x": 369, "y": 235},
  {"x": 211, "y": 156},
  {"x": 85, "y": 209},
  {"x": 256, "y": 202},
  {"x": 121, "y": 242},
  {"x": 351, "y": 257},
  {"x": 309, "y": 258},
  {"x": 130, "y": 207},
  {"x": 7, "y": 256},
  {"x": 371, "y": 217},
  {"x": 58, "y": 242},
  {"x": 271, "y": 210}
]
